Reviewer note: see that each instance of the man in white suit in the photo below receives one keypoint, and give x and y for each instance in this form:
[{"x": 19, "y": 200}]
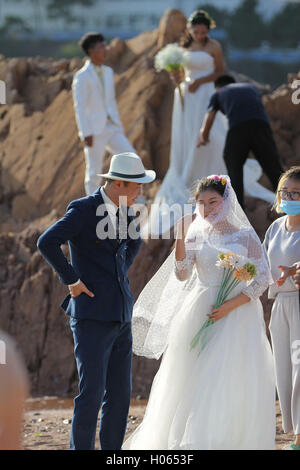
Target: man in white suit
[{"x": 96, "y": 110}]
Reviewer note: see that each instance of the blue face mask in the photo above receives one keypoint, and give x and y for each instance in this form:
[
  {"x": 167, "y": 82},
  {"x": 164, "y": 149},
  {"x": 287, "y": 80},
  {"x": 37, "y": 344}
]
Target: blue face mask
[{"x": 290, "y": 207}]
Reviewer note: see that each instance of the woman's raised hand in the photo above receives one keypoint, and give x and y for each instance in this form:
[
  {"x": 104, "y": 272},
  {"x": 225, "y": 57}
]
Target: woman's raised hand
[{"x": 183, "y": 225}]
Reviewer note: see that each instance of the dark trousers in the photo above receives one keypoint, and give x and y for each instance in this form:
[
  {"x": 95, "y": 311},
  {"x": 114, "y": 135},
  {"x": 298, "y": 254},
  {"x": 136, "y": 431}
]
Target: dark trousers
[
  {"x": 103, "y": 352},
  {"x": 255, "y": 136}
]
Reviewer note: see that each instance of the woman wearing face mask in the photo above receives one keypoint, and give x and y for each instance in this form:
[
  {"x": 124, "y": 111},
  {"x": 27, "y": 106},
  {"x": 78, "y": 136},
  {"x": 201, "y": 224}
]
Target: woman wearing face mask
[
  {"x": 204, "y": 62},
  {"x": 224, "y": 397},
  {"x": 282, "y": 244}
]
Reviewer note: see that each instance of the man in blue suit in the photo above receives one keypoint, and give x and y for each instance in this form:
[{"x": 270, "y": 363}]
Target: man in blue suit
[{"x": 100, "y": 302}]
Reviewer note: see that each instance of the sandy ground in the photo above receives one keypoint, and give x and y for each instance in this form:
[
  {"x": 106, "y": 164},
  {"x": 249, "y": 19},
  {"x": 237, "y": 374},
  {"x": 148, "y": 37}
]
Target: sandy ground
[{"x": 47, "y": 423}]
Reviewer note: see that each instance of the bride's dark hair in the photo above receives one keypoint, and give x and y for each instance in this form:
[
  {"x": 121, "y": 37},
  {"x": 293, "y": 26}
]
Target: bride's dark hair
[
  {"x": 211, "y": 184},
  {"x": 197, "y": 17}
]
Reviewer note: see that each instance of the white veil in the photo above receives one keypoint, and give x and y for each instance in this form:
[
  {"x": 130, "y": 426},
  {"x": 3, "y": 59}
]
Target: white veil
[{"x": 163, "y": 296}]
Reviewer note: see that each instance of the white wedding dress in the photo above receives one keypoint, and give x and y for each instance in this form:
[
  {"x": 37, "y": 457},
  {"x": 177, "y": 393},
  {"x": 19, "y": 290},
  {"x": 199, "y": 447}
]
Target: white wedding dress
[
  {"x": 225, "y": 397},
  {"x": 187, "y": 162}
]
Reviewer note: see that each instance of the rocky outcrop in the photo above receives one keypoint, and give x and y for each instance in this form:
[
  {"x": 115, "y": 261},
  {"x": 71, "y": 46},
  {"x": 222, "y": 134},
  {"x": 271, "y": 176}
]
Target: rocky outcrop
[
  {"x": 42, "y": 169},
  {"x": 39, "y": 152},
  {"x": 171, "y": 27},
  {"x": 284, "y": 113}
]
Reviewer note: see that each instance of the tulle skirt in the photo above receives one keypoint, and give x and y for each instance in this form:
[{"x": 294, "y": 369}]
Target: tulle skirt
[{"x": 222, "y": 398}]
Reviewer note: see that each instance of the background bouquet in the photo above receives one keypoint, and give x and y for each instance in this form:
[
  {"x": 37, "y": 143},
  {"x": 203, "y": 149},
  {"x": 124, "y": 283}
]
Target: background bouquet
[
  {"x": 170, "y": 58},
  {"x": 234, "y": 272}
]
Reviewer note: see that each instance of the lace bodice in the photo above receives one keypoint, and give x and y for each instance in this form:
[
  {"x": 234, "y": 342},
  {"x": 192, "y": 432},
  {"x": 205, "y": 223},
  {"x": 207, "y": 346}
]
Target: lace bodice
[
  {"x": 198, "y": 64},
  {"x": 204, "y": 260}
]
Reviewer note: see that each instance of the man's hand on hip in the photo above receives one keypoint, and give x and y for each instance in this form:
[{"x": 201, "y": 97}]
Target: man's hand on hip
[{"x": 80, "y": 288}]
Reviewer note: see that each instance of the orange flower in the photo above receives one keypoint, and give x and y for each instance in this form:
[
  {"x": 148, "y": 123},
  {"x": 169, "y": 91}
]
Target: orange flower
[{"x": 242, "y": 275}]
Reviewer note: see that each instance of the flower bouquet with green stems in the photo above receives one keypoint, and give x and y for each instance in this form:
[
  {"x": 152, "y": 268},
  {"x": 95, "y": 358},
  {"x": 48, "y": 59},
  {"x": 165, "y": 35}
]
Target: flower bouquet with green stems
[
  {"x": 234, "y": 272},
  {"x": 171, "y": 58}
]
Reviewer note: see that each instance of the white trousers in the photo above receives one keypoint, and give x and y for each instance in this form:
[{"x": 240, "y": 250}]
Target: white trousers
[
  {"x": 285, "y": 335},
  {"x": 111, "y": 139}
]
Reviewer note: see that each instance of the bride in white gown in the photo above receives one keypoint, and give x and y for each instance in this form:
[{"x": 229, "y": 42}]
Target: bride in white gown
[
  {"x": 224, "y": 397},
  {"x": 204, "y": 62}
]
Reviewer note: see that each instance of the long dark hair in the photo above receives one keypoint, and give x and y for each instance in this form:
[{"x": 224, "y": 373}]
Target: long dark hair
[{"x": 197, "y": 17}]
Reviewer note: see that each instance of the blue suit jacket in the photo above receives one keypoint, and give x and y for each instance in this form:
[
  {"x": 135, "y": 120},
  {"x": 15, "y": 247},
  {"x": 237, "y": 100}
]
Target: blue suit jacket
[{"x": 102, "y": 264}]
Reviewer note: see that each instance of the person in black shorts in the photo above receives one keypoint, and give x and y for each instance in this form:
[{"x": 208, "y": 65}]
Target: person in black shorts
[{"x": 249, "y": 129}]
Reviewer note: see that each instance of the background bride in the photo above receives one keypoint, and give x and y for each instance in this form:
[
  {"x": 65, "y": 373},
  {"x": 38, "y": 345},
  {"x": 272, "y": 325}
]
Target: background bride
[{"x": 204, "y": 62}]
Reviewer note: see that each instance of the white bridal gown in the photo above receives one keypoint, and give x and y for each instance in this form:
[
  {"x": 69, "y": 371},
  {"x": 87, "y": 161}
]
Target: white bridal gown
[
  {"x": 187, "y": 162},
  {"x": 225, "y": 397}
]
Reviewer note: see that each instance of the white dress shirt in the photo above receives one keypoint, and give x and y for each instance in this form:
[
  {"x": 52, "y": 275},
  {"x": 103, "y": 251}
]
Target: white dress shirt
[
  {"x": 100, "y": 71},
  {"x": 110, "y": 205}
]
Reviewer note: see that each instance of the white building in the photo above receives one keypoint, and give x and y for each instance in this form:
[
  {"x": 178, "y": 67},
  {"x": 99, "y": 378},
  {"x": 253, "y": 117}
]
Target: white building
[{"x": 122, "y": 18}]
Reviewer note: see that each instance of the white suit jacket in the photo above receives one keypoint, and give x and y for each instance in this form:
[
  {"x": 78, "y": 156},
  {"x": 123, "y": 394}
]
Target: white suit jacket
[{"x": 91, "y": 109}]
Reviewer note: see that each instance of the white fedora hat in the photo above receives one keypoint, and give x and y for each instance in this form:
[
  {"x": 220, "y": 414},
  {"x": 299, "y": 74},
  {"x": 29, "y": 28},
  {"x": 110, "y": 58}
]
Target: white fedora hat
[{"x": 128, "y": 166}]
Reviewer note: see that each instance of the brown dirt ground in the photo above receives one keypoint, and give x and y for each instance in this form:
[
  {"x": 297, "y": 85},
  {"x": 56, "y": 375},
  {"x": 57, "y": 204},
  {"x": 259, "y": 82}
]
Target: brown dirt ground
[{"x": 47, "y": 423}]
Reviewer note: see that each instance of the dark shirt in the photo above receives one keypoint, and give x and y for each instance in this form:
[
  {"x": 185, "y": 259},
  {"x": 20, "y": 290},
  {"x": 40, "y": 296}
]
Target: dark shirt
[{"x": 240, "y": 102}]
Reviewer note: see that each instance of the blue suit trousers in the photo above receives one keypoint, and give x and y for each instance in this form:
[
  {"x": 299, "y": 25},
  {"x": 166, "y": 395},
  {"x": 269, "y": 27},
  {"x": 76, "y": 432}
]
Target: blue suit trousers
[{"x": 103, "y": 352}]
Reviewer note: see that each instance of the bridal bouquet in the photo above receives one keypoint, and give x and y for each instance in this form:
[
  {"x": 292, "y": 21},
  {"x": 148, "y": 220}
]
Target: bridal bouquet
[
  {"x": 234, "y": 272},
  {"x": 170, "y": 58}
]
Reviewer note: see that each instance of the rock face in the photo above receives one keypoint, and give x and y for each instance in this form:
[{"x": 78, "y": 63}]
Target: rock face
[
  {"x": 171, "y": 27},
  {"x": 284, "y": 114},
  {"x": 42, "y": 169}
]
